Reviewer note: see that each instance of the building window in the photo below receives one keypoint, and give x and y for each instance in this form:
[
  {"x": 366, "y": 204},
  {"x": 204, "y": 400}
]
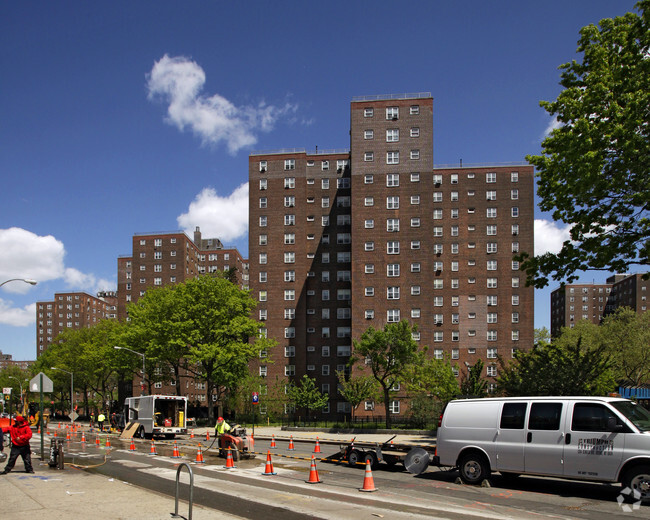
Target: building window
[
  {"x": 369, "y": 224},
  {"x": 289, "y": 182},
  {"x": 415, "y": 132},
  {"x": 415, "y": 222},
  {"x": 415, "y": 267},
  {"x": 369, "y": 201},
  {"x": 369, "y": 291},
  {"x": 368, "y": 112},
  {"x": 392, "y": 202},
  {"x": 392, "y": 293},
  {"x": 368, "y": 134},
  {"x": 289, "y": 164},
  {"x": 325, "y": 165},
  {"x": 392, "y": 315},
  {"x": 415, "y": 155},
  {"x": 289, "y": 294},
  {"x": 368, "y": 179},
  {"x": 392, "y": 157},
  {"x": 491, "y": 177},
  {"x": 392, "y": 113},
  {"x": 514, "y": 211},
  {"x": 368, "y": 156},
  {"x": 392, "y": 270},
  {"x": 392, "y": 225},
  {"x": 392, "y": 180},
  {"x": 392, "y": 135},
  {"x": 289, "y": 220},
  {"x": 392, "y": 247}
]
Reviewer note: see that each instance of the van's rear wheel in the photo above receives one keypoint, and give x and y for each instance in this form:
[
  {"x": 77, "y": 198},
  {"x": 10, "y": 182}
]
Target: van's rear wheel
[
  {"x": 637, "y": 478},
  {"x": 474, "y": 468}
]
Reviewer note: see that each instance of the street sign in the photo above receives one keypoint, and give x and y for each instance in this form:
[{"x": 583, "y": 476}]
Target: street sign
[
  {"x": 256, "y": 398},
  {"x": 74, "y": 415},
  {"x": 6, "y": 390},
  {"x": 35, "y": 384}
]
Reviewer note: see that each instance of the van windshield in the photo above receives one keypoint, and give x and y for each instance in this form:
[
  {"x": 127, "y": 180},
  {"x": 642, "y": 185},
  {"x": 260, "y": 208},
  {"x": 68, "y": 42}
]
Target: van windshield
[{"x": 636, "y": 414}]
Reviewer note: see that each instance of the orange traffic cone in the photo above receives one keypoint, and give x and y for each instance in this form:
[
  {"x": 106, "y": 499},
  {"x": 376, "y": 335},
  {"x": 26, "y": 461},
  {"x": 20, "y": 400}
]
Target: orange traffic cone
[
  {"x": 97, "y": 442},
  {"x": 176, "y": 454},
  {"x": 368, "y": 481},
  {"x": 317, "y": 447},
  {"x": 273, "y": 441},
  {"x": 67, "y": 436},
  {"x": 268, "y": 470},
  {"x": 291, "y": 447},
  {"x": 192, "y": 434},
  {"x": 55, "y": 433},
  {"x": 207, "y": 435},
  {"x": 83, "y": 438},
  {"x": 132, "y": 446},
  {"x": 252, "y": 440},
  {"x": 108, "y": 442},
  {"x": 39, "y": 430},
  {"x": 153, "y": 448},
  {"x": 313, "y": 473},
  {"x": 230, "y": 464},
  {"x": 199, "y": 456}
]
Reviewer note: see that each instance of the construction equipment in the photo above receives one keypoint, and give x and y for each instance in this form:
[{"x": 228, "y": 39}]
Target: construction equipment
[
  {"x": 238, "y": 441},
  {"x": 155, "y": 415}
]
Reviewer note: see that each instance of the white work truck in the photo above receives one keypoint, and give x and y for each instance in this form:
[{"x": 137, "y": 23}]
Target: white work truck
[{"x": 155, "y": 415}]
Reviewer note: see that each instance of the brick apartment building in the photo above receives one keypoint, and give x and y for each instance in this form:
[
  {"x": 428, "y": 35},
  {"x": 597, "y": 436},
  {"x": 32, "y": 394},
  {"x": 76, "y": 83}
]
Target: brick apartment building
[
  {"x": 343, "y": 240},
  {"x": 71, "y": 310},
  {"x": 590, "y": 301},
  {"x": 160, "y": 259}
]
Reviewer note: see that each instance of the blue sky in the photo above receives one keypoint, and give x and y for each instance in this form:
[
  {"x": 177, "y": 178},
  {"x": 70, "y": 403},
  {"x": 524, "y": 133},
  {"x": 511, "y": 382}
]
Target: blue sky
[{"x": 124, "y": 117}]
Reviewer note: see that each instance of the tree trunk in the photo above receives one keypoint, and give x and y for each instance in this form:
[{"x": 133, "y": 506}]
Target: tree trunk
[{"x": 387, "y": 407}]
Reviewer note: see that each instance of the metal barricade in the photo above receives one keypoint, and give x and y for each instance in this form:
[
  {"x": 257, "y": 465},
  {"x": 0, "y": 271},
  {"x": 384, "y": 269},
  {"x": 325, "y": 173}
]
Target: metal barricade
[{"x": 191, "y": 499}]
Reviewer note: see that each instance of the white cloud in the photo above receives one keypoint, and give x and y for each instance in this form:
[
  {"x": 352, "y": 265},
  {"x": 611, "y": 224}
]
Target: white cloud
[
  {"x": 179, "y": 82},
  {"x": 24, "y": 254},
  {"x": 553, "y": 124},
  {"x": 225, "y": 218},
  {"x": 17, "y": 317},
  {"x": 549, "y": 236}
]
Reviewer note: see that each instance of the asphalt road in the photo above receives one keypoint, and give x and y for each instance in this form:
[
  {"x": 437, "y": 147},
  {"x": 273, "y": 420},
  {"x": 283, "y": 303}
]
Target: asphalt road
[{"x": 245, "y": 492}]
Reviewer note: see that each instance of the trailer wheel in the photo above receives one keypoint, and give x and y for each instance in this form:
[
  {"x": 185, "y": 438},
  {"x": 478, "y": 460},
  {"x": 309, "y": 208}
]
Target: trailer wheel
[
  {"x": 140, "y": 433},
  {"x": 353, "y": 458},
  {"x": 474, "y": 468},
  {"x": 372, "y": 458}
]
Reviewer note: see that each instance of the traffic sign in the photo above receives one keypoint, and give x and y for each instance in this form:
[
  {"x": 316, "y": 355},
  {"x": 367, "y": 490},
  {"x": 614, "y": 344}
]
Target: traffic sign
[
  {"x": 6, "y": 390},
  {"x": 35, "y": 384}
]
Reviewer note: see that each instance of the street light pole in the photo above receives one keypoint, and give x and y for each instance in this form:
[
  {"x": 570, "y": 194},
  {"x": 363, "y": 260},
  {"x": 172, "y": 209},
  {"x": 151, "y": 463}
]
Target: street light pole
[
  {"x": 21, "y": 392},
  {"x": 142, "y": 387},
  {"x": 26, "y": 280},
  {"x": 71, "y": 390}
]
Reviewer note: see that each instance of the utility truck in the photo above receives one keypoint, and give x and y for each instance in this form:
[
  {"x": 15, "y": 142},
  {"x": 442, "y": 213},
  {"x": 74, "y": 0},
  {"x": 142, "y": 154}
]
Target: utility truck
[{"x": 155, "y": 415}]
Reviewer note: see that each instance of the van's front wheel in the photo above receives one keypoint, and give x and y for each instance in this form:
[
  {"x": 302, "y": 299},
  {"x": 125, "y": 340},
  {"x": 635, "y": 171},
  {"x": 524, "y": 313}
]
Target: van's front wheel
[
  {"x": 474, "y": 468},
  {"x": 637, "y": 479}
]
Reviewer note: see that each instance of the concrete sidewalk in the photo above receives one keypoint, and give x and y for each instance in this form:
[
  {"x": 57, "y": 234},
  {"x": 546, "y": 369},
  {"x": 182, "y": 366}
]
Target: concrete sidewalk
[{"x": 73, "y": 493}]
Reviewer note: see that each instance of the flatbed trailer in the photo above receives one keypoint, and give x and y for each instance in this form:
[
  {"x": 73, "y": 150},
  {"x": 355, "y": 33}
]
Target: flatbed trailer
[{"x": 416, "y": 459}]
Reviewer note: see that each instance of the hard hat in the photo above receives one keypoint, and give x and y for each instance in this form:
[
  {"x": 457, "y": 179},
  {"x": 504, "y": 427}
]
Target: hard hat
[{"x": 220, "y": 419}]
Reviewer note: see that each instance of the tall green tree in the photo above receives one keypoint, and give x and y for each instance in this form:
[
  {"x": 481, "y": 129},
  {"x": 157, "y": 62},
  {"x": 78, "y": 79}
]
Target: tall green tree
[
  {"x": 388, "y": 354},
  {"x": 576, "y": 363},
  {"x": 472, "y": 382},
  {"x": 626, "y": 335},
  {"x": 306, "y": 395},
  {"x": 356, "y": 389},
  {"x": 594, "y": 170}
]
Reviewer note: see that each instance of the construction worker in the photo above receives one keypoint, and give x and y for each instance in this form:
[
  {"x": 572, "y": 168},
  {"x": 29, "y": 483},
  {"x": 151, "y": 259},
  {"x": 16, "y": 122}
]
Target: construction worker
[
  {"x": 220, "y": 428},
  {"x": 20, "y": 434},
  {"x": 100, "y": 421}
]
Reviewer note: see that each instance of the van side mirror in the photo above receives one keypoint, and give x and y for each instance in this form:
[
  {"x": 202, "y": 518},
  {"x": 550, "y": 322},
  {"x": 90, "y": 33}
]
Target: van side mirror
[{"x": 613, "y": 426}]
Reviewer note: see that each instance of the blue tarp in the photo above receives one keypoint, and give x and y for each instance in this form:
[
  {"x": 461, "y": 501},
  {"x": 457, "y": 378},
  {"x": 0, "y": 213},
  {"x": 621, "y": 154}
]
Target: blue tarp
[{"x": 639, "y": 393}]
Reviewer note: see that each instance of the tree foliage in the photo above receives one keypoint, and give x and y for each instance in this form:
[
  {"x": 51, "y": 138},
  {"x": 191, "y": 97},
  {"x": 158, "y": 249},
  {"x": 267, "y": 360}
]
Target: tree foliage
[
  {"x": 388, "y": 354},
  {"x": 305, "y": 394},
  {"x": 472, "y": 383},
  {"x": 594, "y": 171},
  {"x": 576, "y": 363},
  {"x": 356, "y": 389},
  {"x": 626, "y": 335}
]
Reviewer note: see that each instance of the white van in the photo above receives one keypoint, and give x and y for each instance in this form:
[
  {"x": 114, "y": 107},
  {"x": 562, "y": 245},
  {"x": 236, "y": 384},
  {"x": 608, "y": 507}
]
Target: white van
[{"x": 586, "y": 438}]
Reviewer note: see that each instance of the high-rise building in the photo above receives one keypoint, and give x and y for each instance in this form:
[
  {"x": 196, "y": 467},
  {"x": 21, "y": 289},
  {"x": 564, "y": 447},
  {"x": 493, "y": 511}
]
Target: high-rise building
[
  {"x": 70, "y": 311},
  {"x": 165, "y": 258},
  {"x": 343, "y": 240},
  {"x": 591, "y": 301}
]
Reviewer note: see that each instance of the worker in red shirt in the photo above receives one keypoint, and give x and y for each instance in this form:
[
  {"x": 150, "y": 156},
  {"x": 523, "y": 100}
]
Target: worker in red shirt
[{"x": 20, "y": 434}]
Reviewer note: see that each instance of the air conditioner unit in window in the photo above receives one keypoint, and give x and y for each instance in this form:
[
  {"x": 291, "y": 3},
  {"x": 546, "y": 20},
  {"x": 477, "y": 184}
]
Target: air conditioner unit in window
[
  {"x": 394, "y": 118},
  {"x": 515, "y": 233},
  {"x": 262, "y": 170},
  {"x": 339, "y": 170}
]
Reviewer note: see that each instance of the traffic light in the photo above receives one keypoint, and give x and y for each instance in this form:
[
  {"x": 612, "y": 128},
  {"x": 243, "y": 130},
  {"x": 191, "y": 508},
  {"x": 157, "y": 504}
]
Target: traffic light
[{"x": 7, "y": 397}]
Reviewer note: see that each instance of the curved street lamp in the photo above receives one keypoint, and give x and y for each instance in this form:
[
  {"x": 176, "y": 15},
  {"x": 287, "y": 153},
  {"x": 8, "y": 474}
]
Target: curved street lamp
[
  {"x": 142, "y": 387},
  {"x": 71, "y": 390},
  {"x": 26, "y": 280}
]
